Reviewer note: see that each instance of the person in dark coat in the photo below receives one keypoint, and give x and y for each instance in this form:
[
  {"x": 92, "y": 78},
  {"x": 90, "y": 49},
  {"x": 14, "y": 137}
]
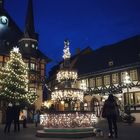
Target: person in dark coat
[
  {"x": 36, "y": 118},
  {"x": 111, "y": 112},
  {"x": 9, "y": 118},
  {"x": 16, "y": 110}
]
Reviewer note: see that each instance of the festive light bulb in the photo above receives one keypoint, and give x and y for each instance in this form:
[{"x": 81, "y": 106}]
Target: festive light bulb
[
  {"x": 15, "y": 49},
  {"x": 66, "y": 50}
]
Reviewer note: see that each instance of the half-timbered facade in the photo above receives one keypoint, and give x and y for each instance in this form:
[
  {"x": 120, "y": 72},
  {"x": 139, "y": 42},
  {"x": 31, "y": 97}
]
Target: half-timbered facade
[{"x": 27, "y": 41}]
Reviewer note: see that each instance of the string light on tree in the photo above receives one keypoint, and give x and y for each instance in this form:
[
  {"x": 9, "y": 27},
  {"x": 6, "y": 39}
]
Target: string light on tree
[{"x": 14, "y": 80}]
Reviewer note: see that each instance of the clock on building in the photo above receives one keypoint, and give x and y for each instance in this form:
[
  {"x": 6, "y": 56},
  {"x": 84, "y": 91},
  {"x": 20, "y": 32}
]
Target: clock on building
[{"x": 4, "y": 20}]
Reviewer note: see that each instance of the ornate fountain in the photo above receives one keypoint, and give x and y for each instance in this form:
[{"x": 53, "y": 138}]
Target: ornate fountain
[{"x": 70, "y": 123}]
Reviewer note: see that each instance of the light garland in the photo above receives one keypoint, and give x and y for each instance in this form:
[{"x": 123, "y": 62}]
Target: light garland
[
  {"x": 68, "y": 120},
  {"x": 66, "y": 75},
  {"x": 67, "y": 94},
  {"x": 63, "y": 75},
  {"x": 14, "y": 80}
]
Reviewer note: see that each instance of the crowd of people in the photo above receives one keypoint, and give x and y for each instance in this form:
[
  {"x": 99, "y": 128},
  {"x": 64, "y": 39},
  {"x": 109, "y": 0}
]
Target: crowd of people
[
  {"x": 110, "y": 111},
  {"x": 13, "y": 116}
]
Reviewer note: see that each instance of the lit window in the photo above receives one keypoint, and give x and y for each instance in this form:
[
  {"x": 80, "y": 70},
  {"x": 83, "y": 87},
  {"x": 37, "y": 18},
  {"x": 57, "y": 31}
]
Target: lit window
[
  {"x": 33, "y": 46},
  {"x": 115, "y": 78},
  {"x": 107, "y": 80},
  {"x": 123, "y": 76},
  {"x": 84, "y": 84},
  {"x": 99, "y": 81},
  {"x": 134, "y": 75},
  {"x": 26, "y": 45},
  {"x": 32, "y": 66},
  {"x": 110, "y": 63},
  {"x": 91, "y": 82},
  {"x": 1, "y": 58},
  {"x": 6, "y": 59},
  {"x": 85, "y": 106}
]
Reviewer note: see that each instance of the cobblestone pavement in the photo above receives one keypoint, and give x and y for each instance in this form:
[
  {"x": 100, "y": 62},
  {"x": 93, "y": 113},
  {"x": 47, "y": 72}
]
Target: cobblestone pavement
[{"x": 126, "y": 132}]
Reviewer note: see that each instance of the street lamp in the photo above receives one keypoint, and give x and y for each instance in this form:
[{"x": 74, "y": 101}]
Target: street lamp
[{"x": 127, "y": 82}]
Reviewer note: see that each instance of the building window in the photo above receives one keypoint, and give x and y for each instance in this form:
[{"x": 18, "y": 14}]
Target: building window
[
  {"x": 137, "y": 98},
  {"x": 85, "y": 107},
  {"x": 6, "y": 59},
  {"x": 1, "y": 58},
  {"x": 26, "y": 45},
  {"x": 42, "y": 66},
  {"x": 42, "y": 73},
  {"x": 122, "y": 75},
  {"x": 134, "y": 75},
  {"x": 84, "y": 84},
  {"x": 0, "y": 64},
  {"x": 99, "y": 81},
  {"x": 32, "y": 66},
  {"x": 92, "y": 82},
  {"x": 115, "y": 78},
  {"x": 33, "y": 46},
  {"x": 110, "y": 63},
  {"x": 107, "y": 80}
]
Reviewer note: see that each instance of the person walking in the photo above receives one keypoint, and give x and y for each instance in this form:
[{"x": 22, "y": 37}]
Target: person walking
[
  {"x": 9, "y": 118},
  {"x": 111, "y": 113},
  {"x": 36, "y": 118}
]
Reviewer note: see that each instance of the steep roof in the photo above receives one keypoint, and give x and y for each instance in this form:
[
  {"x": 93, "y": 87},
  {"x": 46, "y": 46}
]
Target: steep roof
[
  {"x": 11, "y": 34},
  {"x": 8, "y": 35},
  {"x": 123, "y": 53}
]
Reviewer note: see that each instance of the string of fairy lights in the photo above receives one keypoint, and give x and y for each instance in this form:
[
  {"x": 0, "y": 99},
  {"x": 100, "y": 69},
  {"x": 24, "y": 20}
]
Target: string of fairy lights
[
  {"x": 66, "y": 50},
  {"x": 14, "y": 80},
  {"x": 68, "y": 120},
  {"x": 67, "y": 74}
]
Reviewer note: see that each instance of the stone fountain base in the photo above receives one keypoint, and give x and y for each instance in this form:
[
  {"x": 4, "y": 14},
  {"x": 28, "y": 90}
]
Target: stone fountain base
[{"x": 66, "y": 132}]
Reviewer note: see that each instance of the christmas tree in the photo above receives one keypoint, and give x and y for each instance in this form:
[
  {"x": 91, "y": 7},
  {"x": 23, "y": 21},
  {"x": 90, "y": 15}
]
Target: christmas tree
[{"x": 14, "y": 80}]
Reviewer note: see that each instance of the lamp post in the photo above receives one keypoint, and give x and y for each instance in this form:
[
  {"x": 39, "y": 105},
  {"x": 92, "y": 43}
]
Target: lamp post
[{"x": 127, "y": 82}]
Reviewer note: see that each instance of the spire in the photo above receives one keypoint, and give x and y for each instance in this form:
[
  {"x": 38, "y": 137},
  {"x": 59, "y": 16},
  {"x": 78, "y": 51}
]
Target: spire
[
  {"x": 66, "y": 50},
  {"x": 1, "y": 4},
  {"x": 29, "y": 23}
]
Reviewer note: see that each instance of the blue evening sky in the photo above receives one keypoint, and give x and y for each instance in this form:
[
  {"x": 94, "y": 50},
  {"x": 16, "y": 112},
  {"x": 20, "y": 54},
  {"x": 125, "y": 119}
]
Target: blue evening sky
[{"x": 93, "y": 23}]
